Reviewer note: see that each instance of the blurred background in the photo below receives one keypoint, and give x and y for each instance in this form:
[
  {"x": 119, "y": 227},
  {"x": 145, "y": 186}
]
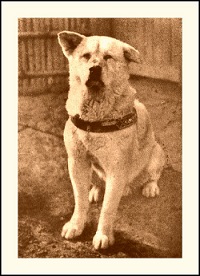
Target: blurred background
[{"x": 42, "y": 65}]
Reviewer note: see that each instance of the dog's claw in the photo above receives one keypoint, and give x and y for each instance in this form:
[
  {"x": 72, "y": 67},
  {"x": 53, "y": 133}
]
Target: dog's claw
[
  {"x": 102, "y": 241},
  {"x": 151, "y": 189},
  {"x": 71, "y": 230}
]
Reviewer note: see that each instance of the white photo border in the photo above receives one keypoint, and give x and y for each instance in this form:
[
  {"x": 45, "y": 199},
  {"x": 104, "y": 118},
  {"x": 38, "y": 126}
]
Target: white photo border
[{"x": 11, "y": 11}]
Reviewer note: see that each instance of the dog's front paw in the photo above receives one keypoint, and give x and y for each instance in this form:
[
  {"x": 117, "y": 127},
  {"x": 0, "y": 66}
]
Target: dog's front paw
[
  {"x": 95, "y": 194},
  {"x": 72, "y": 229},
  {"x": 102, "y": 241},
  {"x": 151, "y": 189}
]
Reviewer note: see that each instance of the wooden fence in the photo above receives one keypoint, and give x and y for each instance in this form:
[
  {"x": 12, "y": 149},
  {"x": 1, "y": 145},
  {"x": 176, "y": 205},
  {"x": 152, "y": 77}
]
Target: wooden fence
[
  {"x": 43, "y": 67},
  {"x": 159, "y": 41}
]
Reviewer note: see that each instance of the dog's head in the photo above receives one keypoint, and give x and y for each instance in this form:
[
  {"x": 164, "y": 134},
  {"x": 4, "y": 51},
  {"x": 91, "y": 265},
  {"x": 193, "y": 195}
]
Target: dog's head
[{"x": 98, "y": 64}]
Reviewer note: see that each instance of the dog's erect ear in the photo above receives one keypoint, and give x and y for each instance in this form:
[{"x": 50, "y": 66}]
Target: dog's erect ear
[
  {"x": 131, "y": 54},
  {"x": 69, "y": 41}
]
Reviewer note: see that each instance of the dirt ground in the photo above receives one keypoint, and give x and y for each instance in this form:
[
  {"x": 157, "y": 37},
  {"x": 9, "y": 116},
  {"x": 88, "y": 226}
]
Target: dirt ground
[{"x": 145, "y": 228}]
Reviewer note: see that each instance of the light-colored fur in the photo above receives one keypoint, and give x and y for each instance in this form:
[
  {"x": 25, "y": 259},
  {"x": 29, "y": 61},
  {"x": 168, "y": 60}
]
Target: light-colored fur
[{"x": 118, "y": 156}]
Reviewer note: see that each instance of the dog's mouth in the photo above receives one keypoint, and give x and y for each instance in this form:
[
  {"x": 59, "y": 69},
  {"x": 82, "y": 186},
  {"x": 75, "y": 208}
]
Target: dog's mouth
[
  {"x": 95, "y": 85},
  {"x": 94, "y": 81}
]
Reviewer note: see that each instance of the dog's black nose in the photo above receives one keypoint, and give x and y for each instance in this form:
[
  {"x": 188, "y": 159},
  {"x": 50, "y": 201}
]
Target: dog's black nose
[{"x": 95, "y": 72}]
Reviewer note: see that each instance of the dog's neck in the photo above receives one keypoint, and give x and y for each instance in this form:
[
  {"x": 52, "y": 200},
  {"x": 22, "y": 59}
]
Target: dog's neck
[{"x": 110, "y": 105}]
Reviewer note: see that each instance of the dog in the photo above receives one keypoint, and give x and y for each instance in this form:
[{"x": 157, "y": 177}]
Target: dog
[{"x": 108, "y": 131}]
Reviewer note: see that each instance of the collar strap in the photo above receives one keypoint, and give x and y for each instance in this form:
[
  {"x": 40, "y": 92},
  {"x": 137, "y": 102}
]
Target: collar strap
[{"x": 107, "y": 125}]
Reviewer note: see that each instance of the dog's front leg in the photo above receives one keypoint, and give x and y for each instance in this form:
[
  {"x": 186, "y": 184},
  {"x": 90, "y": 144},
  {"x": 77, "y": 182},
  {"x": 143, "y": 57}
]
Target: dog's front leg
[
  {"x": 80, "y": 175},
  {"x": 104, "y": 236}
]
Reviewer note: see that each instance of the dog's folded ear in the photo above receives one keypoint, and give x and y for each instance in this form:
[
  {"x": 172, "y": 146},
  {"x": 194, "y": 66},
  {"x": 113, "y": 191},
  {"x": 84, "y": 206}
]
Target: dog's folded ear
[
  {"x": 131, "y": 54},
  {"x": 69, "y": 41}
]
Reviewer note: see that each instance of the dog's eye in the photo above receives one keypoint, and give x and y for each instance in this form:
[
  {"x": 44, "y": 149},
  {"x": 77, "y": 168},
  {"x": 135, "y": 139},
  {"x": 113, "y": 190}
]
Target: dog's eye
[
  {"x": 87, "y": 56},
  {"x": 106, "y": 57}
]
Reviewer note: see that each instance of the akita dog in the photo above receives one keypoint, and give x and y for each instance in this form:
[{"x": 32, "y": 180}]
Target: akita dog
[{"x": 108, "y": 130}]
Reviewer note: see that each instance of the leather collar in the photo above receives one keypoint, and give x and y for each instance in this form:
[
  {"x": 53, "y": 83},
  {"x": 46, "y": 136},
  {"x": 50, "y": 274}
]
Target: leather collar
[{"x": 107, "y": 125}]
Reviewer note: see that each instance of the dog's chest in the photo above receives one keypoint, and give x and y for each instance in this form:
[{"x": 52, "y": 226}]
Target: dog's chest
[
  {"x": 94, "y": 142},
  {"x": 106, "y": 146}
]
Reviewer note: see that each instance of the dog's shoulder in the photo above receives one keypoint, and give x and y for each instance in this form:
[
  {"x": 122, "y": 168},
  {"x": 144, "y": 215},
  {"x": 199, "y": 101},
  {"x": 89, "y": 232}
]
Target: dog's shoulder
[
  {"x": 144, "y": 125},
  {"x": 73, "y": 144},
  {"x": 141, "y": 109}
]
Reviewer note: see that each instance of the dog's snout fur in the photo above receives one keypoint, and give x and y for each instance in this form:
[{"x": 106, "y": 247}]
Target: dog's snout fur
[{"x": 95, "y": 72}]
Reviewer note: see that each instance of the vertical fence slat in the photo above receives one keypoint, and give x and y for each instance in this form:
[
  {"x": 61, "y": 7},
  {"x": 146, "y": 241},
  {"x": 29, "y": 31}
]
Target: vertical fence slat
[
  {"x": 176, "y": 41},
  {"x": 49, "y": 55},
  {"x": 61, "y": 24},
  {"x": 165, "y": 39},
  {"x": 20, "y": 25},
  {"x": 132, "y": 24},
  {"x": 42, "y": 44},
  {"x": 58, "y": 25},
  {"x": 157, "y": 35},
  {"x": 66, "y": 24},
  {"x": 42, "y": 27},
  {"x": 37, "y": 51},
  {"x": 25, "y": 60},
  {"x": 141, "y": 37},
  {"x": 20, "y": 55},
  {"x": 70, "y": 24},
  {"x": 30, "y": 47},
  {"x": 149, "y": 40},
  {"x": 59, "y": 61},
  {"x": 145, "y": 37},
  {"x": 50, "y": 63}
]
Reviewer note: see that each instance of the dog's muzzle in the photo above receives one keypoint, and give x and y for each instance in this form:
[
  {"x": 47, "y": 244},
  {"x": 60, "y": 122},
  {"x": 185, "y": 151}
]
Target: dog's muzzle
[{"x": 94, "y": 81}]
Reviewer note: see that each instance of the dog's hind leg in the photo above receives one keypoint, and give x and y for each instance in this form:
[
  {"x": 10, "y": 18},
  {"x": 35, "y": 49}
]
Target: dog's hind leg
[
  {"x": 96, "y": 192},
  {"x": 153, "y": 170},
  {"x": 80, "y": 175}
]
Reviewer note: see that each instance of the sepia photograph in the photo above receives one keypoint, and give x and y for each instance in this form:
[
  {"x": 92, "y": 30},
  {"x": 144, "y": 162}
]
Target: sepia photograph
[{"x": 100, "y": 138}]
